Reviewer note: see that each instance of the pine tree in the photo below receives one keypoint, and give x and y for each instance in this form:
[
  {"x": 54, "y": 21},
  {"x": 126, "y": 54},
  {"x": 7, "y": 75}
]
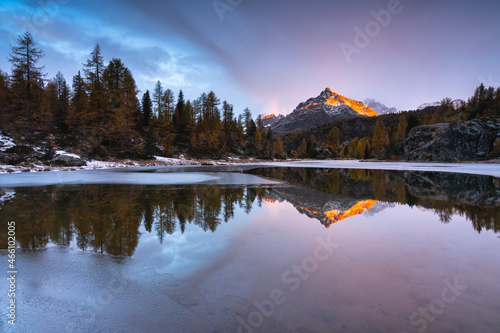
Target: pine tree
[
  {"x": 181, "y": 121},
  {"x": 147, "y": 110}
]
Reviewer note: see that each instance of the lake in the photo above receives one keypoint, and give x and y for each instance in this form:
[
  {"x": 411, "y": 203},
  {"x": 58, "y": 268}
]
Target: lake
[{"x": 252, "y": 248}]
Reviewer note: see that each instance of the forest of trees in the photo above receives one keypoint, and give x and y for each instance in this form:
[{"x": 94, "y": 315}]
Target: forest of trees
[{"x": 102, "y": 115}]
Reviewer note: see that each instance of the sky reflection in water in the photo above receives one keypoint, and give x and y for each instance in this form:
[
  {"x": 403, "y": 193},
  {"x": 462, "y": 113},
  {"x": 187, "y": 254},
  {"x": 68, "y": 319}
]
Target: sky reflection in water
[{"x": 391, "y": 259}]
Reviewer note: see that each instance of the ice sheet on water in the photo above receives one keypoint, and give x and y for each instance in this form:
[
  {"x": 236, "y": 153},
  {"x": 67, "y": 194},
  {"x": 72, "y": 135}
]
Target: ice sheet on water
[
  {"x": 127, "y": 176},
  {"x": 490, "y": 169},
  {"x": 68, "y": 291}
]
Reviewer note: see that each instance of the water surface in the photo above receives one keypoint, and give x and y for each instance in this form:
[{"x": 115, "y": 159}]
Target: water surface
[{"x": 258, "y": 249}]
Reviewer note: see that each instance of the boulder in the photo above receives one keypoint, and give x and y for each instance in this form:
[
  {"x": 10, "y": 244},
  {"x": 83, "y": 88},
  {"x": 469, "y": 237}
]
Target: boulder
[
  {"x": 68, "y": 160},
  {"x": 448, "y": 142}
]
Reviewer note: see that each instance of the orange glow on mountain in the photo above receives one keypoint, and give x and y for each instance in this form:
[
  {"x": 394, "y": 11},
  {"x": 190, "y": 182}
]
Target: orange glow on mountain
[
  {"x": 269, "y": 116},
  {"x": 328, "y": 97},
  {"x": 334, "y": 216},
  {"x": 359, "y": 208},
  {"x": 359, "y": 107}
]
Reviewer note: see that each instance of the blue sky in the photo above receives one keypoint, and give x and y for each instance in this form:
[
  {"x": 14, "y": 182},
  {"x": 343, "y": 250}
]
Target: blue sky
[{"x": 270, "y": 55}]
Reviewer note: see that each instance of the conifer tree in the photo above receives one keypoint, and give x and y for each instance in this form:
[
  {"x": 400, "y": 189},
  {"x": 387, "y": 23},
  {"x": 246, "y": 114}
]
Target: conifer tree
[
  {"x": 380, "y": 139},
  {"x": 96, "y": 122},
  {"x": 158, "y": 100},
  {"x": 400, "y": 134},
  {"x": 122, "y": 92},
  {"x": 147, "y": 110},
  {"x": 59, "y": 108},
  {"x": 5, "y": 100},
  {"x": 78, "y": 107},
  {"x": 278, "y": 146},
  {"x": 333, "y": 139},
  {"x": 27, "y": 86}
]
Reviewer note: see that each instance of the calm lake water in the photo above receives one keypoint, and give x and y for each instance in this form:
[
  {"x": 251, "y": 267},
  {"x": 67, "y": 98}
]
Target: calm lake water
[{"x": 255, "y": 250}]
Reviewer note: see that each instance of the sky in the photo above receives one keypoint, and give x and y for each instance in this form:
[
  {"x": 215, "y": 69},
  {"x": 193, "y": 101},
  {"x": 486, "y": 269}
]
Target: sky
[{"x": 270, "y": 55}]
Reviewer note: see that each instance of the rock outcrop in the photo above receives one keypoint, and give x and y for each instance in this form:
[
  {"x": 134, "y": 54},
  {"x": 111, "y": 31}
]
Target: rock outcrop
[
  {"x": 68, "y": 160},
  {"x": 327, "y": 107},
  {"x": 271, "y": 120},
  {"x": 448, "y": 142}
]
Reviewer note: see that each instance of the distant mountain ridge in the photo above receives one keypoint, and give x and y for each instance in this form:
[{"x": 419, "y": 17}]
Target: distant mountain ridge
[
  {"x": 456, "y": 104},
  {"x": 378, "y": 107},
  {"x": 327, "y": 107},
  {"x": 271, "y": 119}
]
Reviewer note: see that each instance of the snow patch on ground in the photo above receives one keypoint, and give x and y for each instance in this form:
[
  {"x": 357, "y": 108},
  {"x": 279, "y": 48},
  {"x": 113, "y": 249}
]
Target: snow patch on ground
[
  {"x": 62, "y": 152},
  {"x": 6, "y": 142},
  {"x": 95, "y": 164}
]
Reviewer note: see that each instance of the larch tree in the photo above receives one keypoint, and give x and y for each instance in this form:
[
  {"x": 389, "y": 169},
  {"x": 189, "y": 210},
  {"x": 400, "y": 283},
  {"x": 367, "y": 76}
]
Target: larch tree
[
  {"x": 97, "y": 121},
  {"x": 78, "y": 107},
  {"x": 59, "y": 110},
  {"x": 168, "y": 100},
  {"x": 380, "y": 139},
  {"x": 400, "y": 134},
  {"x": 212, "y": 126},
  {"x": 158, "y": 99},
  {"x": 278, "y": 147},
  {"x": 164, "y": 101},
  {"x": 27, "y": 86},
  {"x": 121, "y": 91},
  {"x": 333, "y": 139}
]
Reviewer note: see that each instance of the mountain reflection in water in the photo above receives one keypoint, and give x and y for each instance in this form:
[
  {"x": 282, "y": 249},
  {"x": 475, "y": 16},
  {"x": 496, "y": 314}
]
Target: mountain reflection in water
[{"x": 107, "y": 218}]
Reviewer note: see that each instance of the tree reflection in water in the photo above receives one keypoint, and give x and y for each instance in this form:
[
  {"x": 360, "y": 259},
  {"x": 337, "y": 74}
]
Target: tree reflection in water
[{"x": 107, "y": 218}]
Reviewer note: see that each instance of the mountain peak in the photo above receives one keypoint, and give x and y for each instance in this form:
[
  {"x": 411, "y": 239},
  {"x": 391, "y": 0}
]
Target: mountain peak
[
  {"x": 331, "y": 98},
  {"x": 327, "y": 107}
]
